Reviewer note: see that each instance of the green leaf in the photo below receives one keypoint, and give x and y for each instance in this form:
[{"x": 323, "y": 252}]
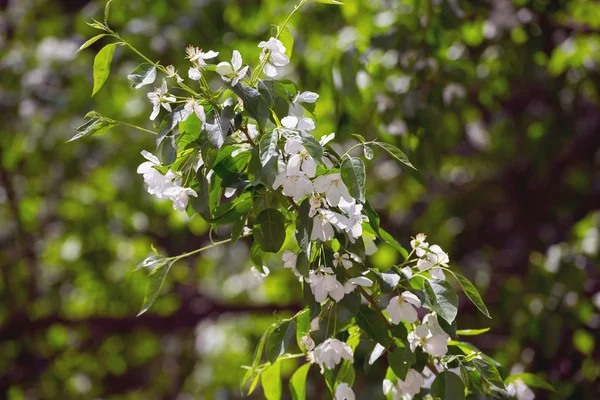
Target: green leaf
[
  {"x": 389, "y": 239},
  {"x": 448, "y": 386},
  {"x": 285, "y": 36},
  {"x": 144, "y": 74},
  {"x": 358, "y": 137},
  {"x": 346, "y": 373},
  {"x": 303, "y": 264},
  {"x": 471, "y": 332},
  {"x": 400, "y": 361},
  {"x": 442, "y": 298},
  {"x": 354, "y": 175},
  {"x": 488, "y": 371},
  {"x": 298, "y": 383},
  {"x": 258, "y": 351},
  {"x": 471, "y": 292},
  {"x": 368, "y": 151},
  {"x": 91, "y": 41},
  {"x": 269, "y": 230},
  {"x": 279, "y": 339},
  {"x": 270, "y": 380},
  {"x": 268, "y": 146},
  {"x": 151, "y": 263},
  {"x": 218, "y": 126},
  {"x": 102, "y": 66},
  {"x": 464, "y": 376},
  {"x": 371, "y": 322},
  {"x": 302, "y": 324},
  {"x": 530, "y": 380},
  {"x": 97, "y": 125},
  {"x": 304, "y": 226},
  {"x": 157, "y": 279},
  {"x": 312, "y": 145},
  {"x": 254, "y": 103},
  {"x": 336, "y": 2},
  {"x": 169, "y": 122},
  {"x": 396, "y": 153}
]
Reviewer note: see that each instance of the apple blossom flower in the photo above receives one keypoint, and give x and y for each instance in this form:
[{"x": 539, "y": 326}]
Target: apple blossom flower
[
  {"x": 273, "y": 56},
  {"x": 334, "y": 189},
  {"x": 327, "y": 138},
  {"x": 297, "y": 185},
  {"x": 307, "y": 342},
  {"x": 342, "y": 259},
  {"x": 160, "y": 97},
  {"x": 330, "y": 353},
  {"x": 294, "y": 123},
  {"x": 419, "y": 244},
  {"x": 355, "y": 220},
  {"x": 402, "y": 308},
  {"x": 436, "y": 345},
  {"x": 324, "y": 283},
  {"x": 260, "y": 276},
  {"x": 172, "y": 73},
  {"x": 198, "y": 57},
  {"x": 232, "y": 72},
  {"x": 192, "y": 105},
  {"x": 314, "y": 324},
  {"x": 352, "y": 283},
  {"x": 344, "y": 392},
  {"x": 404, "y": 389},
  {"x": 520, "y": 390},
  {"x": 434, "y": 256},
  {"x": 179, "y": 195},
  {"x": 323, "y": 223},
  {"x": 289, "y": 261},
  {"x": 316, "y": 202},
  {"x": 302, "y": 98}
]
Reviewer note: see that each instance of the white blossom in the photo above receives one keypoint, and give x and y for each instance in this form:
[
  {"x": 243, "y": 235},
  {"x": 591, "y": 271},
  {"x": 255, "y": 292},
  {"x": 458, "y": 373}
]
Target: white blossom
[
  {"x": 403, "y": 308},
  {"x": 289, "y": 261},
  {"x": 327, "y": 138},
  {"x": 160, "y": 97},
  {"x": 297, "y": 185},
  {"x": 419, "y": 244},
  {"x": 330, "y": 353},
  {"x": 323, "y": 223},
  {"x": 299, "y": 124},
  {"x": 307, "y": 342},
  {"x": 355, "y": 220},
  {"x": 404, "y": 389},
  {"x": 172, "y": 73},
  {"x": 179, "y": 195},
  {"x": 316, "y": 202},
  {"x": 344, "y": 392},
  {"x": 273, "y": 55},
  {"x": 342, "y": 259},
  {"x": 192, "y": 105},
  {"x": 334, "y": 189},
  {"x": 232, "y": 72},
  {"x": 434, "y": 344},
  {"x": 352, "y": 283},
  {"x": 434, "y": 256},
  {"x": 324, "y": 283},
  {"x": 520, "y": 390},
  {"x": 314, "y": 324},
  {"x": 198, "y": 57},
  {"x": 260, "y": 276},
  {"x": 302, "y": 98},
  {"x": 194, "y": 74}
]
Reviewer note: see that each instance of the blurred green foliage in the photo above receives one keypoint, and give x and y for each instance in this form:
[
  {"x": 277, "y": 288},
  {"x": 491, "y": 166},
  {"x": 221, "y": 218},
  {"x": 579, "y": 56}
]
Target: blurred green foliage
[{"x": 495, "y": 102}]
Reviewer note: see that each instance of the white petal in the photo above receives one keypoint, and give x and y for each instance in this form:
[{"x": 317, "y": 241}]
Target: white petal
[
  {"x": 236, "y": 60},
  {"x": 411, "y": 298},
  {"x": 306, "y": 124},
  {"x": 194, "y": 74},
  {"x": 209, "y": 54},
  {"x": 224, "y": 69},
  {"x": 307, "y": 97},
  {"x": 270, "y": 70},
  {"x": 362, "y": 281},
  {"x": 309, "y": 167},
  {"x": 289, "y": 122}
]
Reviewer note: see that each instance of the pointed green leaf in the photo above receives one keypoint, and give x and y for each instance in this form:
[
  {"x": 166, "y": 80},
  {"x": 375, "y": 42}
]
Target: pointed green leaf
[
  {"x": 268, "y": 146},
  {"x": 396, "y": 153},
  {"x": 269, "y": 230},
  {"x": 471, "y": 332},
  {"x": 371, "y": 322},
  {"x": 488, "y": 371},
  {"x": 471, "y": 292},
  {"x": 102, "y": 66},
  {"x": 270, "y": 380},
  {"x": 304, "y": 227},
  {"x": 354, "y": 175},
  {"x": 151, "y": 263},
  {"x": 442, "y": 298},
  {"x": 157, "y": 279},
  {"x": 448, "y": 386},
  {"x": 144, "y": 74},
  {"x": 312, "y": 145},
  {"x": 285, "y": 36},
  {"x": 91, "y": 41},
  {"x": 298, "y": 382},
  {"x": 279, "y": 339},
  {"x": 400, "y": 361},
  {"x": 254, "y": 103}
]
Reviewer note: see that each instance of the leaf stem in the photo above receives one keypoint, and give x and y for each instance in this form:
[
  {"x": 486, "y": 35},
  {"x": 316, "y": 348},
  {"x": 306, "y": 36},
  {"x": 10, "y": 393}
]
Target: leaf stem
[{"x": 210, "y": 246}]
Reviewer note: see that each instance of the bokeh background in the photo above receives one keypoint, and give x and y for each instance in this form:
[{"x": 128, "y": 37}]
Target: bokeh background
[{"x": 496, "y": 102}]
